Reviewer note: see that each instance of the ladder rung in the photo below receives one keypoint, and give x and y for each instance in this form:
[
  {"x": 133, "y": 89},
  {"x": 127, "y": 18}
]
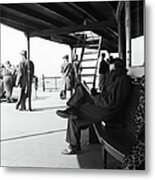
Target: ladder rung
[
  {"x": 92, "y": 47},
  {"x": 93, "y": 38},
  {"x": 86, "y": 75},
  {"x": 92, "y": 67},
  {"x": 89, "y": 82},
  {"x": 93, "y": 59},
  {"x": 90, "y": 53},
  {"x": 92, "y": 42}
]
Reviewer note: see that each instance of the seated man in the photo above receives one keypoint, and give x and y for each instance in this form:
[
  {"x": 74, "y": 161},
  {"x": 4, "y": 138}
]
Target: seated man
[{"x": 85, "y": 109}]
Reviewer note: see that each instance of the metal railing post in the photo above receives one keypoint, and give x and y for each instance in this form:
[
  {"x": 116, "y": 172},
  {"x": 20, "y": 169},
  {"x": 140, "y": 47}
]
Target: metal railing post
[{"x": 43, "y": 82}]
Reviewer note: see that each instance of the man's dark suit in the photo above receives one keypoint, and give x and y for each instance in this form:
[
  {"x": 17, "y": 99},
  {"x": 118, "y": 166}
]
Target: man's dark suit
[
  {"x": 102, "y": 107},
  {"x": 22, "y": 81}
]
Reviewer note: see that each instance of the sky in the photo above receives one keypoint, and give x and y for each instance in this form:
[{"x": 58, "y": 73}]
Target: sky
[{"x": 46, "y": 55}]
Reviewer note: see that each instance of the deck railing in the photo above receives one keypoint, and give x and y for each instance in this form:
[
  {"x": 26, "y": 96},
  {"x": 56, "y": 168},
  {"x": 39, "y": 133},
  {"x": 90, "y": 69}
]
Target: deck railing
[{"x": 51, "y": 83}]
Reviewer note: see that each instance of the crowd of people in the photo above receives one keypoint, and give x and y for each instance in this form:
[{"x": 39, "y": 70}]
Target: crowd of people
[
  {"x": 21, "y": 76},
  {"x": 8, "y": 74},
  {"x": 71, "y": 73}
]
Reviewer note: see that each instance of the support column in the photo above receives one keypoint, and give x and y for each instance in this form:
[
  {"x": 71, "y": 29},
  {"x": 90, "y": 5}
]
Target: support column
[
  {"x": 120, "y": 42},
  {"x": 72, "y": 54},
  {"x": 121, "y": 30},
  {"x": 43, "y": 82},
  {"x": 128, "y": 33},
  {"x": 122, "y": 36},
  {"x": 72, "y": 57},
  {"x": 29, "y": 88}
]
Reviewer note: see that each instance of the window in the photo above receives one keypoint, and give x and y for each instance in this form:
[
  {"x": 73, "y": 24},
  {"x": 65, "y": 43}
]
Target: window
[{"x": 137, "y": 52}]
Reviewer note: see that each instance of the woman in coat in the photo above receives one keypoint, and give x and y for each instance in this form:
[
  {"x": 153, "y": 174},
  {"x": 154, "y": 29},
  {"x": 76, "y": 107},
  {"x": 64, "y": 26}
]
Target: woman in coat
[{"x": 8, "y": 80}]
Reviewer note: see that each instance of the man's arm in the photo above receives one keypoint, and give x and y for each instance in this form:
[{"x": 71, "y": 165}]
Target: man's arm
[
  {"x": 116, "y": 96},
  {"x": 19, "y": 75}
]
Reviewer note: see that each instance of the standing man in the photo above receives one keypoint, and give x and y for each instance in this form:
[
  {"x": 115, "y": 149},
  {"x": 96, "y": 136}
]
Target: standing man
[
  {"x": 77, "y": 70},
  {"x": 103, "y": 69},
  {"x": 65, "y": 71},
  {"x": 22, "y": 80},
  {"x": 30, "y": 68}
]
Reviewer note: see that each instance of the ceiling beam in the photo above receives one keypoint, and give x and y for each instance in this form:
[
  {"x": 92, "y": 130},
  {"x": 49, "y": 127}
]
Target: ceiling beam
[
  {"x": 70, "y": 12},
  {"x": 86, "y": 13},
  {"x": 64, "y": 39},
  {"x": 52, "y": 14},
  {"x": 71, "y": 29},
  {"x": 113, "y": 32},
  {"x": 16, "y": 25},
  {"x": 14, "y": 13}
]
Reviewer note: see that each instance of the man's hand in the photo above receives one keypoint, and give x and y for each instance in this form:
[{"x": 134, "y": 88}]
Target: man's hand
[
  {"x": 16, "y": 85},
  {"x": 93, "y": 91}
]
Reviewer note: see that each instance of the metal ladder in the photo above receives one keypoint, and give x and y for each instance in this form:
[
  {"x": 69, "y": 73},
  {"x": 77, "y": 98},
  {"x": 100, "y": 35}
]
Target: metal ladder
[{"x": 89, "y": 58}]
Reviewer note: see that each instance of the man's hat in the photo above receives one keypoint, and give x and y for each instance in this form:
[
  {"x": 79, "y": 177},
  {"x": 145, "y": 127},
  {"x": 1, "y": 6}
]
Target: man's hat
[
  {"x": 118, "y": 62},
  {"x": 24, "y": 53}
]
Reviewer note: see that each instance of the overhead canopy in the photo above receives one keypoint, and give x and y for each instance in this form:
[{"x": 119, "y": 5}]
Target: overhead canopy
[{"x": 59, "y": 21}]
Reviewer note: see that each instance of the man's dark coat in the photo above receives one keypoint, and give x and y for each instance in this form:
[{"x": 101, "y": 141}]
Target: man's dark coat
[{"x": 107, "y": 104}]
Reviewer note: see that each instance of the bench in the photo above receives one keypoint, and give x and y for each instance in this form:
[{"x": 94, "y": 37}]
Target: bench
[{"x": 121, "y": 142}]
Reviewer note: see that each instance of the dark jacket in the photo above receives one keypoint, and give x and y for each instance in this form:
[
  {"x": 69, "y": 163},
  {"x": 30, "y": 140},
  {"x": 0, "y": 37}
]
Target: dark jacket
[
  {"x": 115, "y": 92},
  {"x": 31, "y": 69},
  {"x": 104, "y": 67},
  {"x": 22, "y": 76},
  {"x": 108, "y": 105}
]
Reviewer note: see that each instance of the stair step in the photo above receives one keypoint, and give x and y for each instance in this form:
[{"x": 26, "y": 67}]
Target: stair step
[{"x": 92, "y": 67}]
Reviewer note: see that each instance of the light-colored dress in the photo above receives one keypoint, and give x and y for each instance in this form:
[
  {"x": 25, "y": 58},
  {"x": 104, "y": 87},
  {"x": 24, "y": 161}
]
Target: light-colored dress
[{"x": 8, "y": 82}]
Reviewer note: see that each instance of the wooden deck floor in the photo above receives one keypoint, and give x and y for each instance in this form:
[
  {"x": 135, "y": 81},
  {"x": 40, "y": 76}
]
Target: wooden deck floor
[{"x": 35, "y": 139}]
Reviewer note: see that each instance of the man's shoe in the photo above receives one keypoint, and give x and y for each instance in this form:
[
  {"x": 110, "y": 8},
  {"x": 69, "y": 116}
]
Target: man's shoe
[
  {"x": 63, "y": 114},
  {"x": 22, "y": 109},
  {"x": 71, "y": 151},
  {"x": 17, "y": 107},
  {"x": 63, "y": 97},
  {"x": 66, "y": 113}
]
